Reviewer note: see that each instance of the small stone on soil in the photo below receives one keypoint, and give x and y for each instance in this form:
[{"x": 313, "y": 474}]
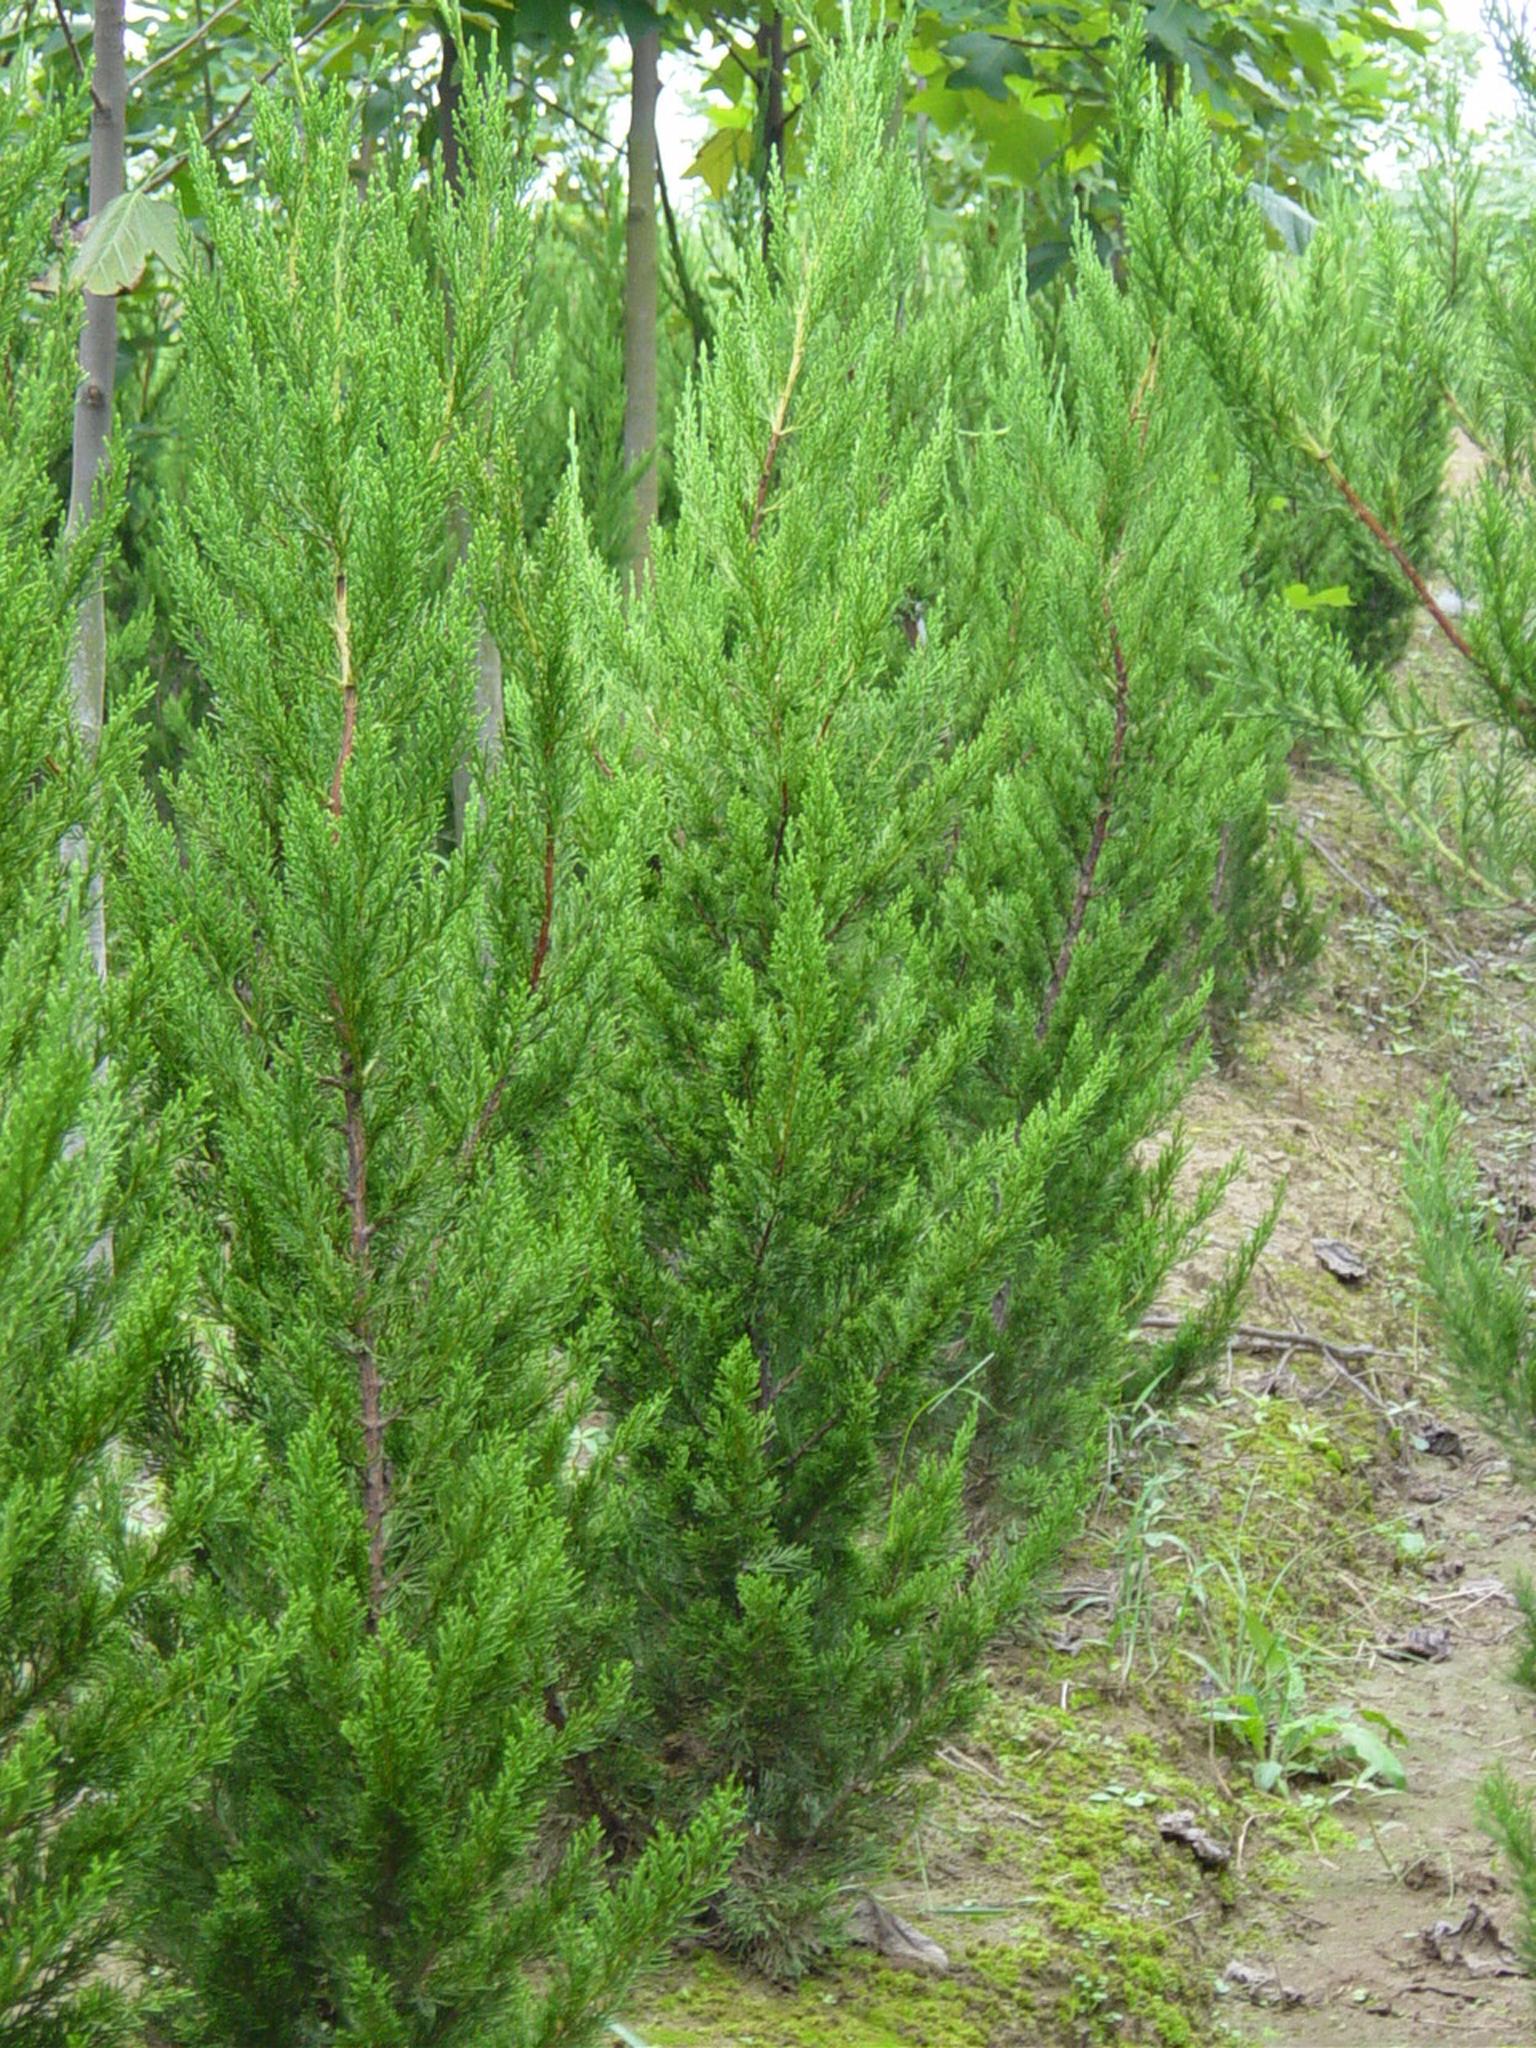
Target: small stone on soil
[
  {"x": 1419, "y": 1645},
  {"x": 1437, "y": 1441},
  {"x": 1262, "y": 1986},
  {"x": 1436, "y": 1874},
  {"x": 1183, "y": 1827},
  {"x": 1341, "y": 1260},
  {"x": 1446, "y": 1570},
  {"x": 872, "y": 1925},
  {"x": 1449, "y": 1941}
]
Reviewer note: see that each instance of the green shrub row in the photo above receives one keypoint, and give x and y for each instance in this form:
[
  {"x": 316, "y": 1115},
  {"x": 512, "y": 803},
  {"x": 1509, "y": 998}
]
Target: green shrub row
[{"x": 545, "y": 1337}]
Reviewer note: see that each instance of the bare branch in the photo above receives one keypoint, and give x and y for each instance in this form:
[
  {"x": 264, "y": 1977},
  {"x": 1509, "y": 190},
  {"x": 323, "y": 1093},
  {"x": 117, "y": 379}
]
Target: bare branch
[{"x": 200, "y": 34}]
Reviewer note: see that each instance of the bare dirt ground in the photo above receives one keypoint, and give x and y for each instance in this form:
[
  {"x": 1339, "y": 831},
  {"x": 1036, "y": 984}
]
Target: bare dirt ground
[
  {"x": 1408, "y": 995},
  {"x": 1331, "y": 1505}
]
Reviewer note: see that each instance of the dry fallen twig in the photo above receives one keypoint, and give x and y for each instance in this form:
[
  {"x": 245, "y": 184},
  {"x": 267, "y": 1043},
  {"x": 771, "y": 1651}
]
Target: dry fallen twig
[{"x": 1264, "y": 1343}]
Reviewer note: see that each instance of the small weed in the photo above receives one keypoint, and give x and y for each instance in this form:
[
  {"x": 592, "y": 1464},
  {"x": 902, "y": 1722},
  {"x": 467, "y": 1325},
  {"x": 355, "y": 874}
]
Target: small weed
[
  {"x": 1143, "y": 1541},
  {"x": 1255, "y": 1686}
]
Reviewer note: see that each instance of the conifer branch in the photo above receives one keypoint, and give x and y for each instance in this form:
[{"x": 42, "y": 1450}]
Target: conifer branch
[
  {"x": 1141, "y": 414},
  {"x": 541, "y": 943},
  {"x": 767, "y": 1390},
  {"x": 492, "y": 1104},
  {"x": 1394, "y": 547},
  {"x": 1090, "y": 864},
  {"x": 1425, "y": 827},
  {"x": 370, "y": 1385},
  {"x": 1457, "y": 412},
  {"x": 579, "y": 1770},
  {"x": 828, "y": 1423},
  {"x": 343, "y": 631},
  {"x": 676, "y": 1380},
  {"x": 165, "y": 171},
  {"x": 483, "y": 1122},
  {"x": 1219, "y": 877},
  {"x": 781, "y": 414},
  {"x": 778, "y": 837}
]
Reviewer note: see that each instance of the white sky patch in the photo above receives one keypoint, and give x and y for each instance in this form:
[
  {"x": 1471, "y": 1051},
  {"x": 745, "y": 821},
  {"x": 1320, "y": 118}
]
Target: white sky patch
[{"x": 1491, "y": 97}]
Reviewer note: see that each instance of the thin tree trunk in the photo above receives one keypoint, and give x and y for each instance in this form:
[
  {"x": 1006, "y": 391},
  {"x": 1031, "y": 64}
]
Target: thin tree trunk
[
  {"x": 770, "y": 45},
  {"x": 93, "y": 425},
  {"x": 490, "y": 713},
  {"x": 450, "y": 90},
  {"x": 93, "y": 421},
  {"x": 490, "y": 702},
  {"x": 640, "y": 274}
]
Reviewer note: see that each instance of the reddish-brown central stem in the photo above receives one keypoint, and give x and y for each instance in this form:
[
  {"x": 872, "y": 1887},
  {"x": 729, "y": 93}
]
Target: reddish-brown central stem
[
  {"x": 1400, "y": 555},
  {"x": 370, "y": 1383}
]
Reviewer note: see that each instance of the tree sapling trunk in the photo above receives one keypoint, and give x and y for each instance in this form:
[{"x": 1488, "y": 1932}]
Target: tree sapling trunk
[
  {"x": 93, "y": 416},
  {"x": 640, "y": 303}
]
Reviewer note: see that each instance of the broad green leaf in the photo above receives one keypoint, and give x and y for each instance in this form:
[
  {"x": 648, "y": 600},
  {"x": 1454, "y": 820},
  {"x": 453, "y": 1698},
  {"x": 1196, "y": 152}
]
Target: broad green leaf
[
  {"x": 986, "y": 63},
  {"x": 1373, "y": 1717},
  {"x": 717, "y": 162},
  {"x": 1043, "y": 262},
  {"x": 954, "y": 14},
  {"x": 1247, "y": 70},
  {"x": 1310, "y": 46},
  {"x": 1176, "y": 29},
  {"x": 638, "y": 19},
  {"x": 121, "y": 240},
  {"x": 1365, "y": 1744},
  {"x": 1300, "y": 599}
]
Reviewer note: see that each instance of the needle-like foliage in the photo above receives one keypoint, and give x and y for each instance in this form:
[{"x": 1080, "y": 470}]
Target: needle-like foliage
[
  {"x": 808, "y": 1243},
  {"x": 1122, "y": 857},
  {"x": 1328, "y": 366},
  {"x": 399, "y": 1190},
  {"x": 102, "y": 1738},
  {"x": 932, "y": 921}
]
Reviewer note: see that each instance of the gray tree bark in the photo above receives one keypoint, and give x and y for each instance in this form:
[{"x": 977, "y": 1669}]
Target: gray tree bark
[
  {"x": 640, "y": 274},
  {"x": 770, "y": 50},
  {"x": 93, "y": 420},
  {"x": 490, "y": 701}
]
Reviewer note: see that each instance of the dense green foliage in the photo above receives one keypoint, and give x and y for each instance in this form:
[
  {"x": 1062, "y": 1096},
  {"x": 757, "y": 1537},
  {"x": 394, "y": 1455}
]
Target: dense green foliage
[
  {"x": 1328, "y": 368},
  {"x": 1480, "y": 1292},
  {"x": 809, "y": 1240},
  {"x": 1099, "y": 578},
  {"x": 585, "y": 1258},
  {"x": 1482, "y": 1299},
  {"x": 393, "y": 1253},
  {"x": 1341, "y": 373},
  {"x": 1020, "y": 98},
  {"x": 105, "y": 1728}
]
